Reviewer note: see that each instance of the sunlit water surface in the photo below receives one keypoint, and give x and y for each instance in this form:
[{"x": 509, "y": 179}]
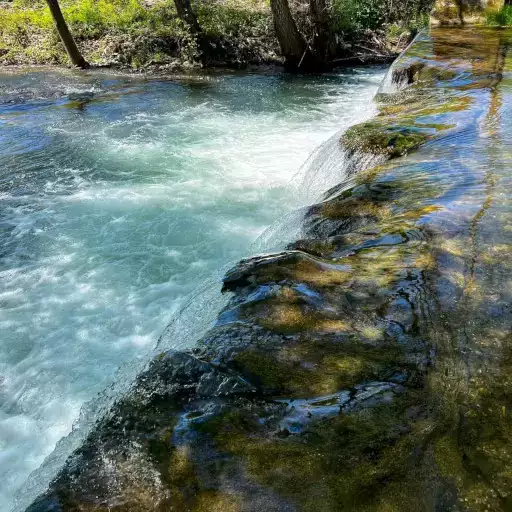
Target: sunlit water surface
[{"x": 118, "y": 197}]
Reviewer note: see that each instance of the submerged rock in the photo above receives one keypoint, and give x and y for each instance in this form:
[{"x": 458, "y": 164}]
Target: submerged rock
[{"x": 367, "y": 367}]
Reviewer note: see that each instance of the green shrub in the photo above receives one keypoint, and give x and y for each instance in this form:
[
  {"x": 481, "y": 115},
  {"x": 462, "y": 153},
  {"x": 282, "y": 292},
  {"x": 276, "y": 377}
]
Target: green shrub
[
  {"x": 225, "y": 20},
  {"x": 502, "y": 18},
  {"x": 355, "y": 16},
  {"x": 94, "y": 18},
  {"x": 87, "y": 18},
  {"x": 12, "y": 20}
]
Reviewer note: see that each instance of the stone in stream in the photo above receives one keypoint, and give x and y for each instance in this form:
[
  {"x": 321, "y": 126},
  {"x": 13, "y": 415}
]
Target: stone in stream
[{"x": 368, "y": 366}]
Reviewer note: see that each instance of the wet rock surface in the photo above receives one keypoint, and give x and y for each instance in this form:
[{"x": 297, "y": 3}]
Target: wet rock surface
[{"x": 368, "y": 366}]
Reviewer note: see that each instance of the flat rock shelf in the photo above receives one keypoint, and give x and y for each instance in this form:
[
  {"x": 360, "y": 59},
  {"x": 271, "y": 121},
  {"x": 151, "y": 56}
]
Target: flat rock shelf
[{"x": 367, "y": 367}]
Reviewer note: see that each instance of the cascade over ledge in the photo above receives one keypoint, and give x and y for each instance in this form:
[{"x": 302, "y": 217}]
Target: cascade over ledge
[{"x": 352, "y": 370}]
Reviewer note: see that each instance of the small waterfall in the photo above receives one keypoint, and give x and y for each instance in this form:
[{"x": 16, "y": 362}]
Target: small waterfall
[
  {"x": 328, "y": 166},
  {"x": 398, "y": 76},
  {"x": 325, "y": 168},
  {"x": 196, "y": 317}
]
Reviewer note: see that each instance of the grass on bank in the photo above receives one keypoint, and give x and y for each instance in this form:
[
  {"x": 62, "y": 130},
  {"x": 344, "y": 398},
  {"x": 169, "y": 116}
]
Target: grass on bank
[
  {"x": 124, "y": 32},
  {"x": 138, "y": 33},
  {"x": 501, "y": 18}
]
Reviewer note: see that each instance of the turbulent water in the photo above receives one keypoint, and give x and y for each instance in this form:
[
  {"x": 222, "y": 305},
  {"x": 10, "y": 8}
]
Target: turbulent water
[{"x": 118, "y": 197}]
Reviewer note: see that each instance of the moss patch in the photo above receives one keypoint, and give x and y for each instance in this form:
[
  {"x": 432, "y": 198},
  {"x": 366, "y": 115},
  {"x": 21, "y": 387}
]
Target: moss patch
[
  {"x": 379, "y": 139},
  {"x": 315, "y": 367},
  {"x": 345, "y": 463}
]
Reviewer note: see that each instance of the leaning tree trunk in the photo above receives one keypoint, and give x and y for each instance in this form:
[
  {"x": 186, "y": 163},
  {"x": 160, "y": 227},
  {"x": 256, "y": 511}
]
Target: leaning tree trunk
[
  {"x": 322, "y": 38},
  {"x": 65, "y": 35},
  {"x": 293, "y": 45},
  {"x": 188, "y": 16}
]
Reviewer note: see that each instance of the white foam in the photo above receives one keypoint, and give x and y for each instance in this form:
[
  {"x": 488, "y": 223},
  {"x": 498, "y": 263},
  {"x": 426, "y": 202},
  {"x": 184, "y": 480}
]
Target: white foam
[{"x": 124, "y": 209}]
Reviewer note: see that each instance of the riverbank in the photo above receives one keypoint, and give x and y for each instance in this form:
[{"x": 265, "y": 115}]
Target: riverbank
[{"x": 149, "y": 36}]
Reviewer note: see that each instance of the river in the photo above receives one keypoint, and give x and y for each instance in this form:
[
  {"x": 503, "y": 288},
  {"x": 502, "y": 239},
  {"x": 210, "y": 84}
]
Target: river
[{"x": 120, "y": 196}]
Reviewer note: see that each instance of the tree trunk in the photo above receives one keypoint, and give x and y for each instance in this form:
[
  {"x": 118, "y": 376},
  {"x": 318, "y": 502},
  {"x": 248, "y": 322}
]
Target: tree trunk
[
  {"x": 187, "y": 15},
  {"x": 322, "y": 42},
  {"x": 293, "y": 45},
  {"x": 65, "y": 35}
]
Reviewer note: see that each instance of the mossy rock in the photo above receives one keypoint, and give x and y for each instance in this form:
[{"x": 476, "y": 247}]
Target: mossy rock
[
  {"x": 318, "y": 367},
  {"x": 379, "y": 139},
  {"x": 345, "y": 462}
]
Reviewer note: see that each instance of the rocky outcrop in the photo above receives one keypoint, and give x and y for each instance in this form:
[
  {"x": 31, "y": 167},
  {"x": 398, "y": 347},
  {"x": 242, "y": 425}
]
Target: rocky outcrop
[{"x": 366, "y": 367}]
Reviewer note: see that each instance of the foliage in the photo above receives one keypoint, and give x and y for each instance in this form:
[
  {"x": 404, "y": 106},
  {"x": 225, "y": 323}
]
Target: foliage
[
  {"x": 355, "y": 16},
  {"x": 138, "y": 33},
  {"x": 128, "y": 32},
  {"x": 228, "y": 19},
  {"x": 502, "y": 18},
  {"x": 87, "y": 18}
]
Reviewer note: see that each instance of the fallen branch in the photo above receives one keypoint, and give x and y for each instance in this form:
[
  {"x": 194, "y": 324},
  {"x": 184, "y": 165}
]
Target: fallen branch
[{"x": 364, "y": 59}]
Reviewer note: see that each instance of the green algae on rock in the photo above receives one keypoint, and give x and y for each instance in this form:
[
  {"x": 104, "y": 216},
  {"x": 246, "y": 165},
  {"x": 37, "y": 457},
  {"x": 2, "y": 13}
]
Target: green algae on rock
[
  {"x": 375, "y": 138},
  {"x": 367, "y": 366}
]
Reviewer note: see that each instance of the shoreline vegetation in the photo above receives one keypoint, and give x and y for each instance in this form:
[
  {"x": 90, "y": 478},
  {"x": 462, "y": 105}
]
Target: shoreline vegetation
[{"x": 158, "y": 36}]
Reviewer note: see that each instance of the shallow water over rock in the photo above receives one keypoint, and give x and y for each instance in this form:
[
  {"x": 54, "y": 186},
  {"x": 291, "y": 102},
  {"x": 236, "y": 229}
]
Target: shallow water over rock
[{"x": 367, "y": 366}]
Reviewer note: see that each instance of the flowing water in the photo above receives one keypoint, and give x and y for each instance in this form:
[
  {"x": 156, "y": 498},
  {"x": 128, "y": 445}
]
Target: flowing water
[
  {"x": 118, "y": 197},
  {"x": 367, "y": 367}
]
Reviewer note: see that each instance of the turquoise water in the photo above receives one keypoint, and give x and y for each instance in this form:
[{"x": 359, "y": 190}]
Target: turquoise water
[{"x": 118, "y": 197}]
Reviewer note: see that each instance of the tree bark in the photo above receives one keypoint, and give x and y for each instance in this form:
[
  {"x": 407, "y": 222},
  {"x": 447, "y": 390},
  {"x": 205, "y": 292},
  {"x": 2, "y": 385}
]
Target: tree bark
[
  {"x": 65, "y": 35},
  {"x": 293, "y": 45},
  {"x": 322, "y": 42},
  {"x": 187, "y": 15}
]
